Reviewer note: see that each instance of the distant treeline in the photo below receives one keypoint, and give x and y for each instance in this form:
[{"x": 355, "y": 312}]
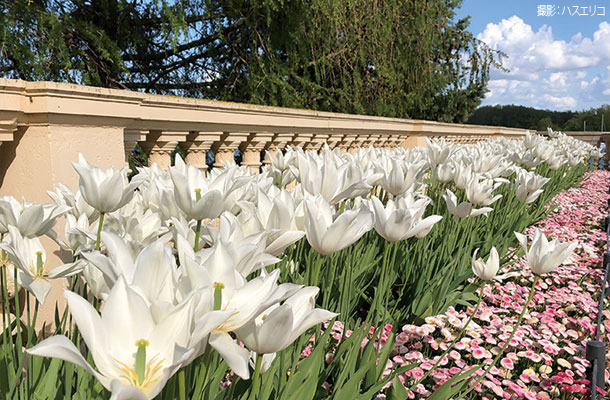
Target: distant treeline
[{"x": 535, "y": 119}]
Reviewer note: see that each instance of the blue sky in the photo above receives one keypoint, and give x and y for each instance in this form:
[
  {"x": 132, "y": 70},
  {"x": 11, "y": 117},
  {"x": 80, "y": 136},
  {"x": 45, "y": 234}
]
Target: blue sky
[{"x": 558, "y": 62}]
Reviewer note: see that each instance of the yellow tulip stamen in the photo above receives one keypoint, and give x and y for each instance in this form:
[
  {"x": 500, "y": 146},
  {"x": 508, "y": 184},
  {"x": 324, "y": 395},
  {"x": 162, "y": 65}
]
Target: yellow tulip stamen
[
  {"x": 197, "y": 194},
  {"x": 218, "y": 286},
  {"x": 146, "y": 380}
]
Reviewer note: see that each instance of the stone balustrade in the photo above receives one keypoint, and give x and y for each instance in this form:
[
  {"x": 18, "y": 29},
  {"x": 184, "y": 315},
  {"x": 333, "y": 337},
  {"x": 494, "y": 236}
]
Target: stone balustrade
[{"x": 43, "y": 125}]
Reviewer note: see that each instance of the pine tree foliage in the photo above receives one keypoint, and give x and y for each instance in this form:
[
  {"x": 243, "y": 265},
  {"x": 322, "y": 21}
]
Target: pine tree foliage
[{"x": 397, "y": 58}]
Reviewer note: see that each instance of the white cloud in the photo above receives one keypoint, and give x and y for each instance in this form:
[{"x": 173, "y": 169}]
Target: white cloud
[
  {"x": 560, "y": 102},
  {"x": 558, "y": 81},
  {"x": 545, "y": 72}
]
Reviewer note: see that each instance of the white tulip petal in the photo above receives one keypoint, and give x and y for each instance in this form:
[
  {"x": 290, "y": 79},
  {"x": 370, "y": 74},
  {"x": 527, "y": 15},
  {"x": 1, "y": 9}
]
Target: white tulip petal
[
  {"x": 235, "y": 356},
  {"x": 90, "y": 326},
  {"x": 61, "y": 347},
  {"x": 279, "y": 320},
  {"x": 123, "y": 392},
  {"x": 40, "y": 288}
]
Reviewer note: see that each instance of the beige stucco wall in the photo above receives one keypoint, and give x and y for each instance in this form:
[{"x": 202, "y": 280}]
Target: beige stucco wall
[{"x": 38, "y": 160}]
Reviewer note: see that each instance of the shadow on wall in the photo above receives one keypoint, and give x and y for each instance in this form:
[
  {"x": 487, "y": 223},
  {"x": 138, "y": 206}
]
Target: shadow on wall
[{"x": 8, "y": 152}]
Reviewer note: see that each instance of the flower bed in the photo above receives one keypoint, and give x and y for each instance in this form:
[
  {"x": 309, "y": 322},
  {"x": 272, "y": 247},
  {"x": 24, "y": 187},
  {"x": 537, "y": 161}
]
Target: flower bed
[
  {"x": 546, "y": 357},
  {"x": 203, "y": 284}
]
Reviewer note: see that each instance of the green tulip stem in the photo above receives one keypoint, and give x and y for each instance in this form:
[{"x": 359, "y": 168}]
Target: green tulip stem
[
  {"x": 4, "y": 294},
  {"x": 507, "y": 343},
  {"x": 345, "y": 294},
  {"x": 19, "y": 343},
  {"x": 256, "y": 377},
  {"x": 394, "y": 247},
  {"x": 197, "y": 234},
  {"x": 99, "y": 232},
  {"x": 316, "y": 271},
  {"x": 381, "y": 290},
  {"x": 198, "y": 230},
  {"x": 203, "y": 371},
  {"x": 455, "y": 339},
  {"x": 433, "y": 178},
  {"x": 182, "y": 384},
  {"x": 6, "y": 322}
]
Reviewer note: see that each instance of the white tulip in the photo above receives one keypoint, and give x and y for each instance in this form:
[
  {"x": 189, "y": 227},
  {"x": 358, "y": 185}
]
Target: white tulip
[
  {"x": 277, "y": 216},
  {"x": 463, "y": 175},
  {"x": 328, "y": 232},
  {"x": 531, "y": 141},
  {"x": 486, "y": 270},
  {"x": 247, "y": 252},
  {"x": 528, "y": 186},
  {"x": 399, "y": 220},
  {"x": 544, "y": 256},
  {"x": 33, "y": 273},
  {"x": 120, "y": 260},
  {"x": 31, "y": 219},
  {"x": 480, "y": 191},
  {"x": 168, "y": 206},
  {"x": 552, "y": 133},
  {"x": 134, "y": 355},
  {"x": 136, "y": 224},
  {"x": 445, "y": 173},
  {"x": 283, "y": 161},
  {"x": 181, "y": 227},
  {"x": 266, "y": 362},
  {"x": 400, "y": 176},
  {"x": 193, "y": 193},
  {"x": 229, "y": 291},
  {"x": 556, "y": 161},
  {"x": 245, "y": 302},
  {"x": 573, "y": 161},
  {"x": 63, "y": 196},
  {"x": 544, "y": 150},
  {"x": 325, "y": 177},
  {"x": 439, "y": 151},
  {"x": 490, "y": 166},
  {"x": 77, "y": 234},
  {"x": 95, "y": 280},
  {"x": 106, "y": 191},
  {"x": 278, "y": 326},
  {"x": 464, "y": 209}
]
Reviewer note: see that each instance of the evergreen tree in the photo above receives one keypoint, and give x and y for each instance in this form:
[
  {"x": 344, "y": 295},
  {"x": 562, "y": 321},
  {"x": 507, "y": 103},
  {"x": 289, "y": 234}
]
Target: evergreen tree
[{"x": 398, "y": 58}]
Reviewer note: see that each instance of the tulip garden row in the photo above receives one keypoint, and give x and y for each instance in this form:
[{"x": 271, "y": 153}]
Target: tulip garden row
[
  {"x": 545, "y": 359},
  {"x": 185, "y": 284}
]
